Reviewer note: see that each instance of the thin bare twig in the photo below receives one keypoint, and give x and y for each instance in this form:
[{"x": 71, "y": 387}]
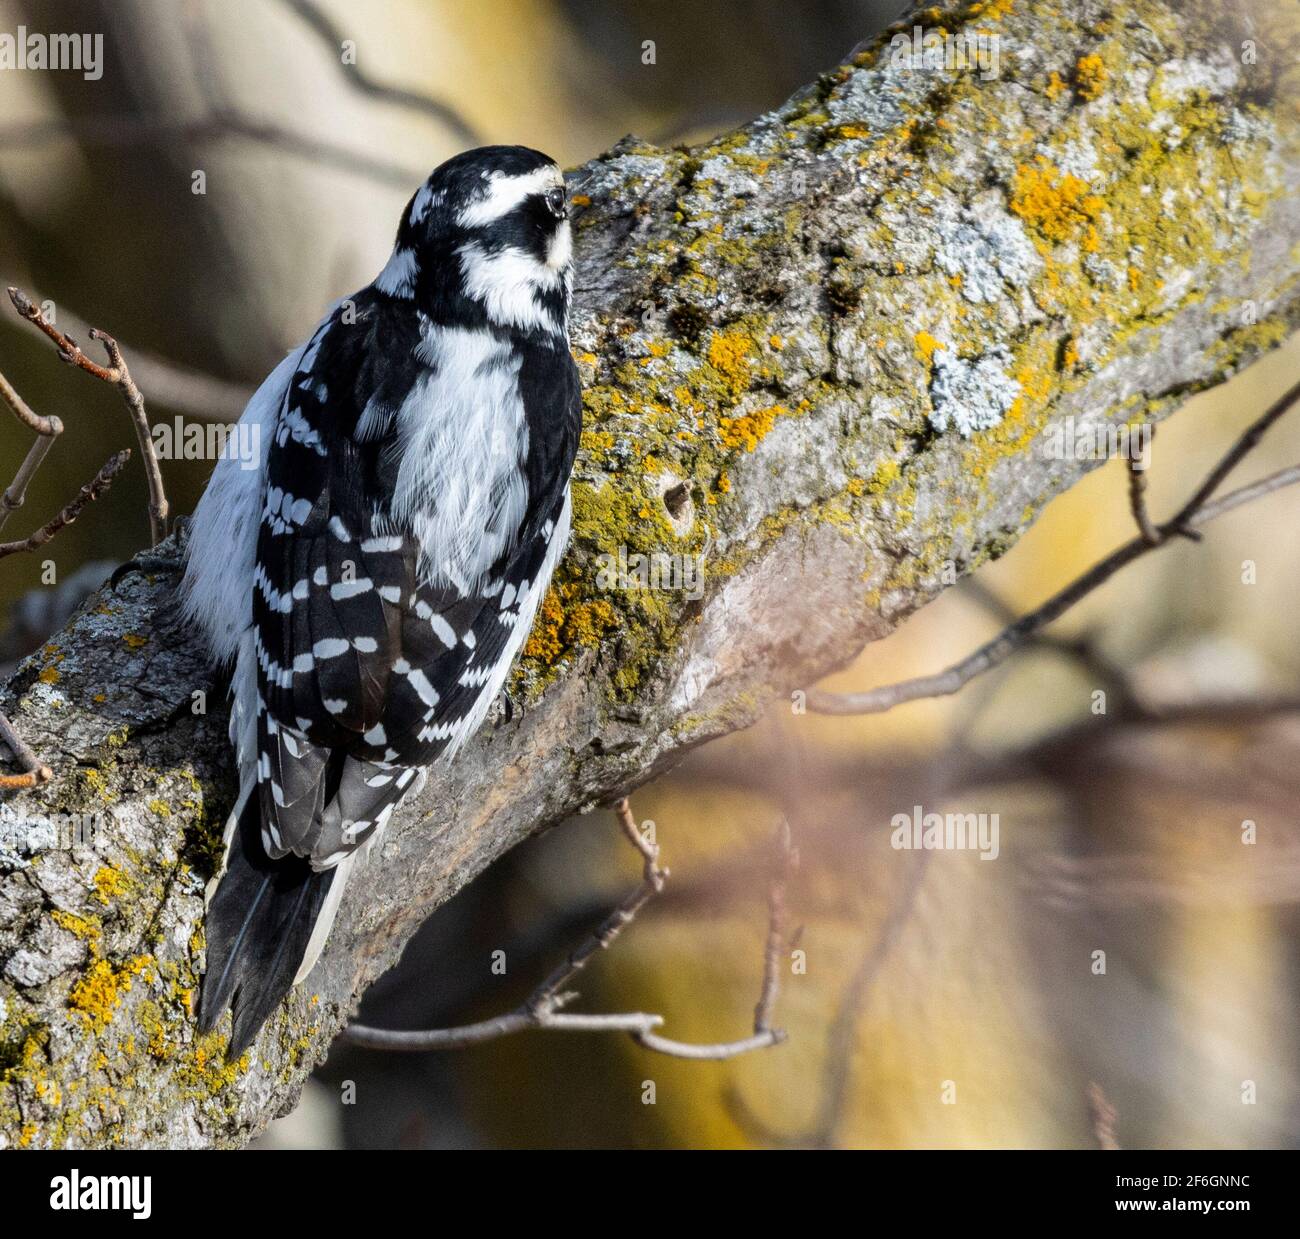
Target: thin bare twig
[
  {"x": 47, "y": 427},
  {"x": 47, "y": 430},
  {"x": 1198, "y": 510},
  {"x": 543, "y": 1007},
  {"x": 87, "y": 494},
  {"x": 116, "y": 374},
  {"x": 1137, "y": 498},
  {"x": 170, "y": 385},
  {"x": 35, "y": 771},
  {"x": 778, "y": 934},
  {"x": 1082, "y": 649}
]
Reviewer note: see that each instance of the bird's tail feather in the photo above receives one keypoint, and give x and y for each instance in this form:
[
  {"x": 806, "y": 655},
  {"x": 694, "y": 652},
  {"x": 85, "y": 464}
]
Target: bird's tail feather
[{"x": 259, "y": 923}]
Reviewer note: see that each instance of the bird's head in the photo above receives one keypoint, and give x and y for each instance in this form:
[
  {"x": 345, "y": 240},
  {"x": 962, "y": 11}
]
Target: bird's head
[{"x": 487, "y": 236}]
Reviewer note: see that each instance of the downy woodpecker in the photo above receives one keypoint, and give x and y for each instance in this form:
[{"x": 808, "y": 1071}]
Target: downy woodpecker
[{"x": 370, "y": 583}]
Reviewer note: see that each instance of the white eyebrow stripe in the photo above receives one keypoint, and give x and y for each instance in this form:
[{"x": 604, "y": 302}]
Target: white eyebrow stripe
[{"x": 507, "y": 192}]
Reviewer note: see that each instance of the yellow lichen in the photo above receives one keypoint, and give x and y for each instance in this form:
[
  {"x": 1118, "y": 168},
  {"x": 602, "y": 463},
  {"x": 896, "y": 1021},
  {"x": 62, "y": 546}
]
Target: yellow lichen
[
  {"x": 109, "y": 883},
  {"x": 728, "y": 354},
  {"x": 925, "y": 346},
  {"x": 96, "y": 994},
  {"x": 885, "y": 475},
  {"x": 79, "y": 926}
]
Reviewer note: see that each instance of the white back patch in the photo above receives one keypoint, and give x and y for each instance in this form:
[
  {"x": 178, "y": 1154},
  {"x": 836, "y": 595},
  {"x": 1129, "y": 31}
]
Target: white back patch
[{"x": 223, "y": 532}]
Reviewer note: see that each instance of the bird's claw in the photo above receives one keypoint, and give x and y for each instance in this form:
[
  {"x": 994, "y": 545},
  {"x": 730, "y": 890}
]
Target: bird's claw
[{"x": 151, "y": 562}]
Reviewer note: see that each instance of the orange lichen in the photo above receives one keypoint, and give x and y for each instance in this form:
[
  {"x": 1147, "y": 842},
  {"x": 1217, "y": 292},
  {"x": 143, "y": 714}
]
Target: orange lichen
[
  {"x": 1090, "y": 76},
  {"x": 748, "y": 431},
  {"x": 557, "y": 629},
  {"x": 925, "y": 346},
  {"x": 1056, "y": 203},
  {"x": 729, "y": 354}
]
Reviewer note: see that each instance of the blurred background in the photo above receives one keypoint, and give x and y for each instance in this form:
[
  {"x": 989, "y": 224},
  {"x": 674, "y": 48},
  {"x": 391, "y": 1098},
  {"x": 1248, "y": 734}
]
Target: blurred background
[{"x": 945, "y": 1002}]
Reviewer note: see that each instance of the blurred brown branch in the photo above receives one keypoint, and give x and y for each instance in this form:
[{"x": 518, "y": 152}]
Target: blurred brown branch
[
  {"x": 1103, "y": 1116},
  {"x": 331, "y": 35},
  {"x": 543, "y": 1007},
  {"x": 120, "y": 132}
]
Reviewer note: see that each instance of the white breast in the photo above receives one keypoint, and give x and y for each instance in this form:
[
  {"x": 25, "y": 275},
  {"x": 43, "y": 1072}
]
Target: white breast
[{"x": 462, "y": 435}]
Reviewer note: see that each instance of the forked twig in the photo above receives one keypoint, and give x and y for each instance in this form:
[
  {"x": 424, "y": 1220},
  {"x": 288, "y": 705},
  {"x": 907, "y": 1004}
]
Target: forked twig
[
  {"x": 118, "y": 375},
  {"x": 1137, "y": 499},
  {"x": 1197, "y": 510},
  {"x": 47, "y": 430},
  {"x": 543, "y": 1007}
]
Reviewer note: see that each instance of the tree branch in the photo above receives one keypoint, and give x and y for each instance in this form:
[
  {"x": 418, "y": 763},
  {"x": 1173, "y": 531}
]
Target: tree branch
[
  {"x": 829, "y": 349},
  {"x": 72, "y": 509}
]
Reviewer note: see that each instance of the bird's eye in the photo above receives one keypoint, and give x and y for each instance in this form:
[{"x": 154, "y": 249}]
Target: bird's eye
[{"x": 555, "y": 202}]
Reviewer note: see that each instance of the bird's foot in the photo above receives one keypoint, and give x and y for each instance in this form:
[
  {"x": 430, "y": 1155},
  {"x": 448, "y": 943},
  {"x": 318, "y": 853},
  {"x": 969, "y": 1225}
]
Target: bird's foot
[
  {"x": 152, "y": 562},
  {"x": 503, "y": 710}
]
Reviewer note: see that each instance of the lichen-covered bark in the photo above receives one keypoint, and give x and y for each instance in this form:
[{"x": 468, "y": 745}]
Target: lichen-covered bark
[{"x": 821, "y": 353}]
